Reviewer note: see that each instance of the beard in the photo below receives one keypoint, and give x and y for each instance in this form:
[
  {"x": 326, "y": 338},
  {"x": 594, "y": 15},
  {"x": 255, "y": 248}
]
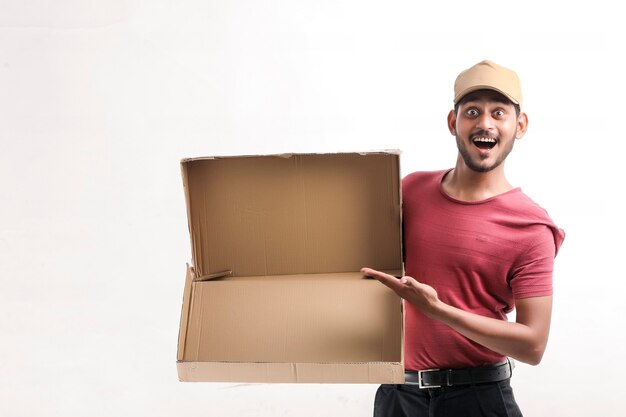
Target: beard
[{"x": 481, "y": 165}]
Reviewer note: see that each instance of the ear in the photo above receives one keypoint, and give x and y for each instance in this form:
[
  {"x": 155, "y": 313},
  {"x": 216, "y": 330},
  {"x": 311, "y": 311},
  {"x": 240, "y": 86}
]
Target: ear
[
  {"x": 522, "y": 125},
  {"x": 452, "y": 122}
]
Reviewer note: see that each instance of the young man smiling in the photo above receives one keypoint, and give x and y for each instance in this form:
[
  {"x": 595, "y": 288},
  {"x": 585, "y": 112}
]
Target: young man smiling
[{"x": 476, "y": 247}]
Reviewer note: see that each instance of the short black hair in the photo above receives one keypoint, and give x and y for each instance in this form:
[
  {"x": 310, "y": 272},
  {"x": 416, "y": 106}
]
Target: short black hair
[{"x": 471, "y": 95}]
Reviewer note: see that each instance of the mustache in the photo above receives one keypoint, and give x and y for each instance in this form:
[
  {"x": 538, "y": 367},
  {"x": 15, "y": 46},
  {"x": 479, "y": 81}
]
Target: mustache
[{"x": 483, "y": 134}]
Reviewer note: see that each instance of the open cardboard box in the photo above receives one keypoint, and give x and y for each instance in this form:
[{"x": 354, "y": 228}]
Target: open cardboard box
[{"x": 275, "y": 294}]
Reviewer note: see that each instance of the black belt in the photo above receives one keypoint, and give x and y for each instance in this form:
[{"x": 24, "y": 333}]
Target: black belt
[{"x": 436, "y": 378}]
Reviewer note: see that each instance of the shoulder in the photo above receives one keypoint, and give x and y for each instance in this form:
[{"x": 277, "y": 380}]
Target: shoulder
[
  {"x": 423, "y": 177},
  {"x": 526, "y": 209},
  {"x": 522, "y": 212}
]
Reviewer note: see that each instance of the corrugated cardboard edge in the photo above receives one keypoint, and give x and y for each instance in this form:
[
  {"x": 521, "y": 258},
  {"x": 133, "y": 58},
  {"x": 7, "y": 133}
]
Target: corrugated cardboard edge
[
  {"x": 340, "y": 373},
  {"x": 184, "y": 315},
  {"x": 290, "y": 154},
  {"x": 184, "y": 174},
  {"x": 402, "y": 309}
]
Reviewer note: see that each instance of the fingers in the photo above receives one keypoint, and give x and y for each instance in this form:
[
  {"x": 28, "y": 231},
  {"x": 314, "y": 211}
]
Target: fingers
[
  {"x": 386, "y": 279},
  {"x": 377, "y": 274},
  {"x": 399, "y": 286},
  {"x": 191, "y": 269},
  {"x": 418, "y": 294},
  {"x": 409, "y": 282},
  {"x": 381, "y": 276}
]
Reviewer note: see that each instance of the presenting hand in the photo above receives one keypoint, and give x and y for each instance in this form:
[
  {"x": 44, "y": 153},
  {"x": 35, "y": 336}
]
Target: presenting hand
[
  {"x": 524, "y": 340},
  {"x": 420, "y": 295}
]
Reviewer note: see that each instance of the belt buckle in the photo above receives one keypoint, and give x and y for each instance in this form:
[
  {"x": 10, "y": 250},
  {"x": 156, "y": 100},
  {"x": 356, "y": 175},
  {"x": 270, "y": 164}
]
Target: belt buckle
[{"x": 420, "y": 382}]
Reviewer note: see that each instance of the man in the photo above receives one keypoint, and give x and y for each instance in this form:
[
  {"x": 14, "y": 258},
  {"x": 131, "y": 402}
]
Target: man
[{"x": 476, "y": 247}]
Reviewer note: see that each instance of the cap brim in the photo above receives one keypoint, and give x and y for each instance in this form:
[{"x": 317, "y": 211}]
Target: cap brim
[{"x": 483, "y": 87}]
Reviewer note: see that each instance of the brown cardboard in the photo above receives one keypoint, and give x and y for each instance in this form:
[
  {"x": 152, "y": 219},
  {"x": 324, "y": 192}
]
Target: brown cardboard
[{"x": 276, "y": 294}]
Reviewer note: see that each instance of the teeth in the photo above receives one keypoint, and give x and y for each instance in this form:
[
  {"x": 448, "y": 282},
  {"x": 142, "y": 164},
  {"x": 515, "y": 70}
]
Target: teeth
[{"x": 489, "y": 140}]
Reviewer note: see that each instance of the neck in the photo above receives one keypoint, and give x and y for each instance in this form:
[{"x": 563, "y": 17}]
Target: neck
[{"x": 464, "y": 184}]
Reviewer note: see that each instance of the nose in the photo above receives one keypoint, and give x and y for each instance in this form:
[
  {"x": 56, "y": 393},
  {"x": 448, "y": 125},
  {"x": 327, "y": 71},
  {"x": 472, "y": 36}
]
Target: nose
[{"x": 485, "y": 122}]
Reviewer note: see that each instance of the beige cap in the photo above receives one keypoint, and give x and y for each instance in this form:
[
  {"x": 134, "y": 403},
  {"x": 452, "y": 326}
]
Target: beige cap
[{"x": 490, "y": 76}]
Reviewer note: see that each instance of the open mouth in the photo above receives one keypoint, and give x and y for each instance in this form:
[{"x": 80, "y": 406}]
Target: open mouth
[{"x": 484, "y": 142}]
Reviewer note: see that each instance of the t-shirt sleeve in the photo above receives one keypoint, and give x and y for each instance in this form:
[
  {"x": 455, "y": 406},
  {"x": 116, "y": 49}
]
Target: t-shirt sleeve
[{"x": 532, "y": 273}]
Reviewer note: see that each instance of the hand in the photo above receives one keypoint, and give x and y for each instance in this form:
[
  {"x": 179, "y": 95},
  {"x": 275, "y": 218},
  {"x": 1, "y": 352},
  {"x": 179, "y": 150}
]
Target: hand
[
  {"x": 524, "y": 340},
  {"x": 420, "y": 295}
]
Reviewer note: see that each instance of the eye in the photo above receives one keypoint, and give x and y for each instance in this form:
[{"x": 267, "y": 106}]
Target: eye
[
  {"x": 499, "y": 113},
  {"x": 471, "y": 112}
]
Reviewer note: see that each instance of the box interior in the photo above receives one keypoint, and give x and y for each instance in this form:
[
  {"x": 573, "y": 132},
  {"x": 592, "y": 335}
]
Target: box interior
[{"x": 293, "y": 232}]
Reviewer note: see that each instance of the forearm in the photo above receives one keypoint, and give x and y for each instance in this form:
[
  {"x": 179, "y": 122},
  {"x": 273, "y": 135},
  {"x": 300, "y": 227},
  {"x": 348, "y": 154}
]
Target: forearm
[{"x": 525, "y": 342}]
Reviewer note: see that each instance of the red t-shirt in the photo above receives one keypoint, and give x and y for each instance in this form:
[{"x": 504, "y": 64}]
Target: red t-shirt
[{"x": 479, "y": 256}]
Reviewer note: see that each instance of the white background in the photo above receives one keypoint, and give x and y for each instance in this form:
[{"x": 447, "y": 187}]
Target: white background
[{"x": 99, "y": 100}]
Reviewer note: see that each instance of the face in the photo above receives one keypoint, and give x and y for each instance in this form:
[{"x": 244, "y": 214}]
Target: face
[{"x": 486, "y": 127}]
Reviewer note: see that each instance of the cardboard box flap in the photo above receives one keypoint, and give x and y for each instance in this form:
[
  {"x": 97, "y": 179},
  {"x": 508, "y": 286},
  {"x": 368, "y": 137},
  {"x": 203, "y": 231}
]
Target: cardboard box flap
[{"x": 294, "y": 214}]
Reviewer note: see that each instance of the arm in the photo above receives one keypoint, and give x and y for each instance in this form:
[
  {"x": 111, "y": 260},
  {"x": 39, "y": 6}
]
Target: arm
[{"x": 524, "y": 340}]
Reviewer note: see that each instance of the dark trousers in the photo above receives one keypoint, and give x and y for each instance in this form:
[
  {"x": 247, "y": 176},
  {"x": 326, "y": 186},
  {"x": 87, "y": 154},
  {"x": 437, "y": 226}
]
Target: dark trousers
[{"x": 494, "y": 399}]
